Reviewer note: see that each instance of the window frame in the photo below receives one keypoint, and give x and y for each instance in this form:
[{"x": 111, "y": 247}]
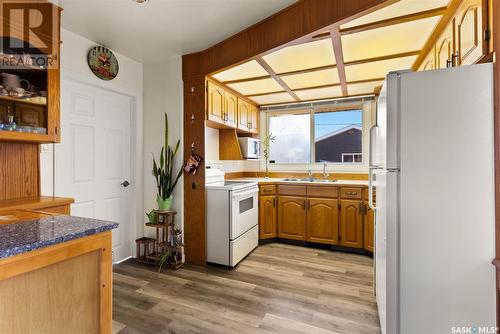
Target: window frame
[{"x": 311, "y": 112}]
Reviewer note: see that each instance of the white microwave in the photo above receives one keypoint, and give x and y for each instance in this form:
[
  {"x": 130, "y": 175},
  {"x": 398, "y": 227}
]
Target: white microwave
[{"x": 250, "y": 147}]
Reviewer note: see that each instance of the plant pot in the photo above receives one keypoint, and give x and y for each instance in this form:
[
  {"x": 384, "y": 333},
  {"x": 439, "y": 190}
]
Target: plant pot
[{"x": 164, "y": 204}]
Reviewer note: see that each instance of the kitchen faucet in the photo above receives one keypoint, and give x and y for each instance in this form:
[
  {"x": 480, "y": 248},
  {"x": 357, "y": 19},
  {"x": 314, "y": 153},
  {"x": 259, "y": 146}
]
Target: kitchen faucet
[
  {"x": 325, "y": 174},
  {"x": 310, "y": 174}
]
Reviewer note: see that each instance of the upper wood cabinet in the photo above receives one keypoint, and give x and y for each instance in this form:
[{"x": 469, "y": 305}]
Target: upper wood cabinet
[
  {"x": 253, "y": 119},
  {"x": 226, "y": 109},
  {"x": 470, "y": 32},
  {"x": 268, "y": 227},
  {"x": 463, "y": 40},
  {"x": 216, "y": 103},
  {"x": 351, "y": 224},
  {"x": 36, "y": 118},
  {"x": 322, "y": 220},
  {"x": 292, "y": 218},
  {"x": 244, "y": 115},
  {"x": 231, "y": 108}
]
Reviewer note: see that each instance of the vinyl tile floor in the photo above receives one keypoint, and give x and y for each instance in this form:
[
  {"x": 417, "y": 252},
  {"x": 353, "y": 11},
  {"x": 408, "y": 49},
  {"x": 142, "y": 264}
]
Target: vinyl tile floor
[{"x": 277, "y": 289}]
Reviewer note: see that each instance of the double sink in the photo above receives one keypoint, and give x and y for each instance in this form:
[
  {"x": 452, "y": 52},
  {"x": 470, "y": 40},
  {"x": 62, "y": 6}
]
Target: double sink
[{"x": 310, "y": 179}]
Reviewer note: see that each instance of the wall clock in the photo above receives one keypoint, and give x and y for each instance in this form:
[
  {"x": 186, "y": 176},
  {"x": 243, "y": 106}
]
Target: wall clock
[{"x": 103, "y": 63}]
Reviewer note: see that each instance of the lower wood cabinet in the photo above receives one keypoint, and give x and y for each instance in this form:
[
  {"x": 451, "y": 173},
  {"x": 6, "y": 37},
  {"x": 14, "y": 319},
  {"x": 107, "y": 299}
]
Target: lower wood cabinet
[
  {"x": 351, "y": 224},
  {"x": 292, "y": 217},
  {"x": 369, "y": 229},
  {"x": 268, "y": 223},
  {"x": 323, "y": 220}
]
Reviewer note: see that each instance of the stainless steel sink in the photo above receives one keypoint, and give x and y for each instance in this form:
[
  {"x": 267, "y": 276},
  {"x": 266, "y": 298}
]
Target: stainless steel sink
[{"x": 310, "y": 180}]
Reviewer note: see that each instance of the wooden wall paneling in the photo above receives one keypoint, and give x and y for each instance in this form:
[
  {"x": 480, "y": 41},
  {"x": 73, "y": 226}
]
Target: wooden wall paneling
[
  {"x": 19, "y": 170},
  {"x": 496, "y": 48},
  {"x": 229, "y": 146},
  {"x": 194, "y": 185},
  {"x": 302, "y": 20}
]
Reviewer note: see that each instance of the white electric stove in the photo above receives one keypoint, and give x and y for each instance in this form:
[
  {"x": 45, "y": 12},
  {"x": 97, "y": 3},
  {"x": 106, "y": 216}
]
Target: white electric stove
[{"x": 232, "y": 217}]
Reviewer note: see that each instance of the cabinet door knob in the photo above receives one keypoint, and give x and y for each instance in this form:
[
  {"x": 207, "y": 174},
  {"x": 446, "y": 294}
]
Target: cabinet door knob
[{"x": 125, "y": 184}]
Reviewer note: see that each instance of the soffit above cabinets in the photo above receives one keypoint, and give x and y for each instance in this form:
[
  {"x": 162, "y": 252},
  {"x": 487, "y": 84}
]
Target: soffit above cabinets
[{"x": 366, "y": 48}]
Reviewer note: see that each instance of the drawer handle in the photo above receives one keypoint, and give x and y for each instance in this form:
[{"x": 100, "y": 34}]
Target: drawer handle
[{"x": 351, "y": 193}]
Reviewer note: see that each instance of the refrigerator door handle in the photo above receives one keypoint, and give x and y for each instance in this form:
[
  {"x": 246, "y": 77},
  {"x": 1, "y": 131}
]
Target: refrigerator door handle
[
  {"x": 372, "y": 144},
  {"x": 370, "y": 187}
]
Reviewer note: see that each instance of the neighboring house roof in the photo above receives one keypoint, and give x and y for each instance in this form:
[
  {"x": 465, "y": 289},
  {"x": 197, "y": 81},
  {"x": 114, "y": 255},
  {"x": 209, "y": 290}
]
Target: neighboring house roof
[{"x": 339, "y": 131}]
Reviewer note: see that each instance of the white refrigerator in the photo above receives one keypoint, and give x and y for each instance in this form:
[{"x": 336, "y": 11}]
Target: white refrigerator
[{"x": 431, "y": 163}]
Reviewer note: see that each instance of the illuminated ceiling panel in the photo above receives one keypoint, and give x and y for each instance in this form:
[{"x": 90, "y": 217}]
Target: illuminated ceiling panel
[
  {"x": 403, "y": 7},
  {"x": 311, "y": 79},
  {"x": 303, "y": 56},
  {"x": 399, "y": 38},
  {"x": 363, "y": 88},
  {"x": 273, "y": 98},
  {"x": 246, "y": 70},
  {"x": 378, "y": 69},
  {"x": 319, "y": 93},
  {"x": 256, "y": 86}
]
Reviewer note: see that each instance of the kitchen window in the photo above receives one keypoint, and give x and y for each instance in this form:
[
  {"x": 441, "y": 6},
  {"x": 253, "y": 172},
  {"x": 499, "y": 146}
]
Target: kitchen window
[{"x": 329, "y": 136}]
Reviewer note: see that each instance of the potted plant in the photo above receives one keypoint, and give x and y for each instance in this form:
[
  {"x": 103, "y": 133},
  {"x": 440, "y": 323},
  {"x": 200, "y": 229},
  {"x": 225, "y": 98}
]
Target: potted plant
[
  {"x": 268, "y": 139},
  {"x": 166, "y": 178}
]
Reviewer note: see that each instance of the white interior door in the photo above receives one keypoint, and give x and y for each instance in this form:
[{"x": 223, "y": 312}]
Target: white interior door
[{"x": 94, "y": 158}]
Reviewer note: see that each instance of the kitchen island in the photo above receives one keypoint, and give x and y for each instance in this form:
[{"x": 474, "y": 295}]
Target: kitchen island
[{"x": 55, "y": 273}]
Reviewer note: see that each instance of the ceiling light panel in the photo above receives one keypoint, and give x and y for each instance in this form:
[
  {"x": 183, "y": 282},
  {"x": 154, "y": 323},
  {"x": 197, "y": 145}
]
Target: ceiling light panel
[
  {"x": 312, "y": 79},
  {"x": 302, "y": 56},
  {"x": 399, "y": 38},
  {"x": 319, "y": 93},
  {"x": 403, "y": 7},
  {"x": 256, "y": 86},
  {"x": 272, "y": 98},
  {"x": 246, "y": 70},
  {"x": 378, "y": 69},
  {"x": 363, "y": 88}
]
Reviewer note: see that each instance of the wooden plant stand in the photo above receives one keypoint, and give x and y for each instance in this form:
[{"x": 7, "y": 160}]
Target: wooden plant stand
[{"x": 150, "y": 250}]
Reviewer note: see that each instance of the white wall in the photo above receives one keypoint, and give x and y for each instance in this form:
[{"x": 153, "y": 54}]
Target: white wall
[
  {"x": 129, "y": 81},
  {"x": 162, "y": 93}
]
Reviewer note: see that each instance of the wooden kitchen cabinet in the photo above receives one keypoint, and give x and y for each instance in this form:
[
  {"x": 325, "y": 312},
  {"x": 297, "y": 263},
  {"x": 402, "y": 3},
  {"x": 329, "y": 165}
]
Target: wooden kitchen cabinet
[
  {"x": 231, "y": 109},
  {"x": 445, "y": 47},
  {"x": 369, "y": 228},
  {"x": 216, "y": 103},
  {"x": 268, "y": 223},
  {"x": 292, "y": 218},
  {"x": 351, "y": 223},
  {"x": 244, "y": 115},
  {"x": 322, "y": 220},
  {"x": 253, "y": 119},
  {"x": 470, "y": 32}
]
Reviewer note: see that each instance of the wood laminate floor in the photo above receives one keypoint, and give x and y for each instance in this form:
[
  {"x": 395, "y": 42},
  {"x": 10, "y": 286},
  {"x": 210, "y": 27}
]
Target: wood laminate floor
[{"x": 276, "y": 289}]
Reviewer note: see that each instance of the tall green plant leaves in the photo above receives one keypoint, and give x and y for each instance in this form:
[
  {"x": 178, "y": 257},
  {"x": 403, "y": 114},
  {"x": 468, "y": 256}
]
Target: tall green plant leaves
[{"x": 164, "y": 172}]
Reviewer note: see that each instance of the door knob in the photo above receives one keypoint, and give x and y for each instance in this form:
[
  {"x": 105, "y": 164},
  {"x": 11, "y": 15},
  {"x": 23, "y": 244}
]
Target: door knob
[{"x": 125, "y": 183}]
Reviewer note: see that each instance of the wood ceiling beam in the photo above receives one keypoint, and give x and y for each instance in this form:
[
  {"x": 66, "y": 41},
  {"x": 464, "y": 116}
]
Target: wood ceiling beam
[
  {"x": 229, "y": 82},
  {"x": 385, "y": 23},
  {"x": 438, "y": 30},
  {"x": 395, "y": 20},
  {"x": 381, "y": 58},
  {"x": 339, "y": 58},
  {"x": 273, "y": 75}
]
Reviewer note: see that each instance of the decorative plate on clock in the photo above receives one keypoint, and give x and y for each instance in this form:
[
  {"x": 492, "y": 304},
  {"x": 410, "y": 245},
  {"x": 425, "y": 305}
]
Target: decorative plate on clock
[{"x": 103, "y": 63}]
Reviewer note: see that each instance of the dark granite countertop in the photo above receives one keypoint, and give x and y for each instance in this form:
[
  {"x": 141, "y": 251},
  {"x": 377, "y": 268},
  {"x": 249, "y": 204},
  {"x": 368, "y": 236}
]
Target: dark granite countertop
[{"x": 25, "y": 236}]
